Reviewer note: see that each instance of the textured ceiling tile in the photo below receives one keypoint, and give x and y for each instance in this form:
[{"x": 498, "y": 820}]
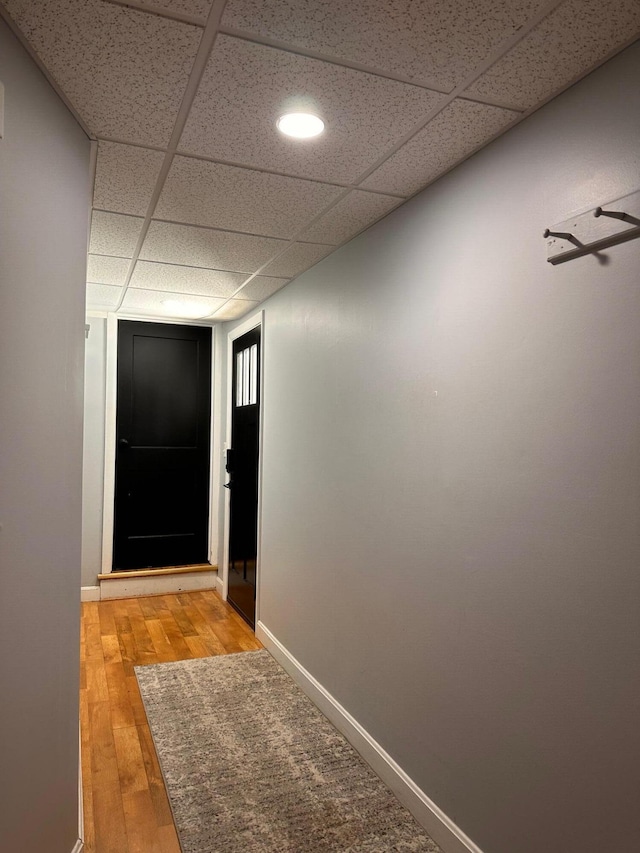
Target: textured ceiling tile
[
  {"x": 203, "y": 247},
  {"x": 455, "y": 132},
  {"x": 234, "y": 309},
  {"x": 101, "y": 269},
  {"x": 179, "y": 279},
  {"x": 154, "y": 302},
  {"x": 193, "y": 8},
  {"x": 125, "y": 177},
  {"x": 102, "y": 296},
  {"x": 261, "y": 287},
  {"x": 113, "y": 234},
  {"x": 125, "y": 71},
  {"x": 432, "y": 41},
  {"x": 298, "y": 258},
  {"x": 350, "y": 216},
  {"x": 202, "y": 193},
  {"x": 564, "y": 46},
  {"x": 246, "y": 87}
]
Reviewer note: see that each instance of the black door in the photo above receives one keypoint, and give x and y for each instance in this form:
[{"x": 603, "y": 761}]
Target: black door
[
  {"x": 242, "y": 466},
  {"x": 162, "y": 454}
]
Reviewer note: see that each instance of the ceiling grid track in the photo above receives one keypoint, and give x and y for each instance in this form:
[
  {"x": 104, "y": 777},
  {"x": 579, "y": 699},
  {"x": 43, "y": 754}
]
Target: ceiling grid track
[{"x": 200, "y": 63}]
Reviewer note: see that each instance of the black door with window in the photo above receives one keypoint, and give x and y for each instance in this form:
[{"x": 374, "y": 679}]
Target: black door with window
[
  {"x": 162, "y": 455},
  {"x": 242, "y": 467}
]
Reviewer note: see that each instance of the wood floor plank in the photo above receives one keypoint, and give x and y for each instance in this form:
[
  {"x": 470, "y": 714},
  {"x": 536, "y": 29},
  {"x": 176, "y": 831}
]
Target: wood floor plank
[
  {"x": 154, "y": 778},
  {"x": 168, "y": 839},
  {"x": 122, "y": 714},
  {"x": 131, "y": 769},
  {"x": 93, "y": 641},
  {"x": 111, "y": 649},
  {"x": 106, "y": 618},
  {"x": 126, "y": 809},
  {"x": 142, "y": 830}
]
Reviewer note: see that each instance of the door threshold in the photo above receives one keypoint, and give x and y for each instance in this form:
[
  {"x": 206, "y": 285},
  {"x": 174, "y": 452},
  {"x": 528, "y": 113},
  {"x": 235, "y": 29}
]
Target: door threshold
[
  {"x": 166, "y": 570},
  {"x": 158, "y": 581}
]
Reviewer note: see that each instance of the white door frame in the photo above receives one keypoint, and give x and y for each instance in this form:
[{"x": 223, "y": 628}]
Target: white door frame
[
  {"x": 110, "y": 437},
  {"x": 254, "y": 321}
]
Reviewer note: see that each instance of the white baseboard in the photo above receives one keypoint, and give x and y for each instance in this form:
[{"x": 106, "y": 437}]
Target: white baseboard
[
  {"x": 78, "y": 847},
  {"x": 128, "y": 587},
  {"x": 90, "y": 593},
  {"x": 439, "y": 826},
  {"x": 219, "y": 586}
]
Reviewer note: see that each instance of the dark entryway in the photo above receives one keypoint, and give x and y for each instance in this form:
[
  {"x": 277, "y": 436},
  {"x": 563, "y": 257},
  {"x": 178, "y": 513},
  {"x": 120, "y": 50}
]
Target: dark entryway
[
  {"x": 242, "y": 466},
  {"x": 162, "y": 455}
]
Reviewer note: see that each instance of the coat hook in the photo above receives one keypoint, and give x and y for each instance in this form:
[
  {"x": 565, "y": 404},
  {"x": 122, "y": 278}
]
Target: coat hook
[
  {"x": 562, "y": 234},
  {"x": 614, "y": 214}
]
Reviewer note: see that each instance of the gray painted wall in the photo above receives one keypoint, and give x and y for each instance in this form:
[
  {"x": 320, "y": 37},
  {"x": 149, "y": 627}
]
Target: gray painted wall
[
  {"x": 93, "y": 453},
  {"x": 44, "y": 198},
  {"x": 451, "y": 491}
]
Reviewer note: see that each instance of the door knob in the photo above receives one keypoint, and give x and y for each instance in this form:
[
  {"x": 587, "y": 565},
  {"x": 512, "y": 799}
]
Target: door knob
[{"x": 123, "y": 442}]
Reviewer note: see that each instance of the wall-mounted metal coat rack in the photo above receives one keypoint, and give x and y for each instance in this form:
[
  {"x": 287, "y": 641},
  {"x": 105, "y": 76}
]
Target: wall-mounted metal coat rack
[{"x": 597, "y": 229}]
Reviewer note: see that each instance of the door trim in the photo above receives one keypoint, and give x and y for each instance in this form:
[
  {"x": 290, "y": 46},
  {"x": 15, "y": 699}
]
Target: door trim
[
  {"x": 252, "y": 322},
  {"x": 109, "y": 492}
]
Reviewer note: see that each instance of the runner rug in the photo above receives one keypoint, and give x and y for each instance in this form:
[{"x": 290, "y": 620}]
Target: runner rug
[{"x": 251, "y": 765}]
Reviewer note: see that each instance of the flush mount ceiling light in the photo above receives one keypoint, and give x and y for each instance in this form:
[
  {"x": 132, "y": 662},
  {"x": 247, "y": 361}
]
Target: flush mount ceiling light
[
  {"x": 300, "y": 125},
  {"x": 185, "y": 309}
]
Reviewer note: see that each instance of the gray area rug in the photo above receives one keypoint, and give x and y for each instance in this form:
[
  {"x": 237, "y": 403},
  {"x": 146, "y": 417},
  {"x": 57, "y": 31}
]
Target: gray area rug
[{"x": 251, "y": 765}]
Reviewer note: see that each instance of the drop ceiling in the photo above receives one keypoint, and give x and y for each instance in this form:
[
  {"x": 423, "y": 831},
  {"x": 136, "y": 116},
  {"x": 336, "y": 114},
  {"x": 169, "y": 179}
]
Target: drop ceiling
[{"x": 198, "y": 199}]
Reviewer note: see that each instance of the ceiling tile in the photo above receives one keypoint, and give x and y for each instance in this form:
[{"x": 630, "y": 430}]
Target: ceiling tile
[
  {"x": 114, "y": 234},
  {"x": 432, "y": 41},
  {"x": 125, "y": 71},
  {"x": 102, "y": 296},
  {"x": 125, "y": 177},
  {"x": 202, "y": 193},
  {"x": 180, "y": 279},
  {"x": 246, "y": 87},
  {"x": 234, "y": 309},
  {"x": 261, "y": 287},
  {"x": 101, "y": 269},
  {"x": 153, "y": 302},
  {"x": 566, "y": 44},
  {"x": 204, "y": 247},
  {"x": 297, "y": 258},
  {"x": 350, "y": 216},
  {"x": 193, "y": 8},
  {"x": 454, "y": 133}
]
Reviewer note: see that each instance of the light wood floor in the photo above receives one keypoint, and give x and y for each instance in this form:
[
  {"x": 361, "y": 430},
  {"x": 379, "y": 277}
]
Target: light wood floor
[{"x": 125, "y": 804}]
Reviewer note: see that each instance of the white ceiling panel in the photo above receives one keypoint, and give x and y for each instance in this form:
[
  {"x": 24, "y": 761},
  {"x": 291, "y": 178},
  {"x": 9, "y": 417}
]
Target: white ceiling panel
[
  {"x": 203, "y": 193},
  {"x": 350, "y": 216},
  {"x": 114, "y": 234},
  {"x": 234, "y": 309},
  {"x": 125, "y": 177},
  {"x": 179, "y": 305},
  {"x": 567, "y": 43},
  {"x": 125, "y": 71},
  {"x": 429, "y": 41},
  {"x": 261, "y": 287},
  {"x": 296, "y": 259},
  {"x": 192, "y": 8},
  {"x": 102, "y": 269},
  {"x": 456, "y": 131},
  {"x": 204, "y": 247},
  {"x": 179, "y": 279},
  {"x": 246, "y": 87},
  {"x": 102, "y": 297}
]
